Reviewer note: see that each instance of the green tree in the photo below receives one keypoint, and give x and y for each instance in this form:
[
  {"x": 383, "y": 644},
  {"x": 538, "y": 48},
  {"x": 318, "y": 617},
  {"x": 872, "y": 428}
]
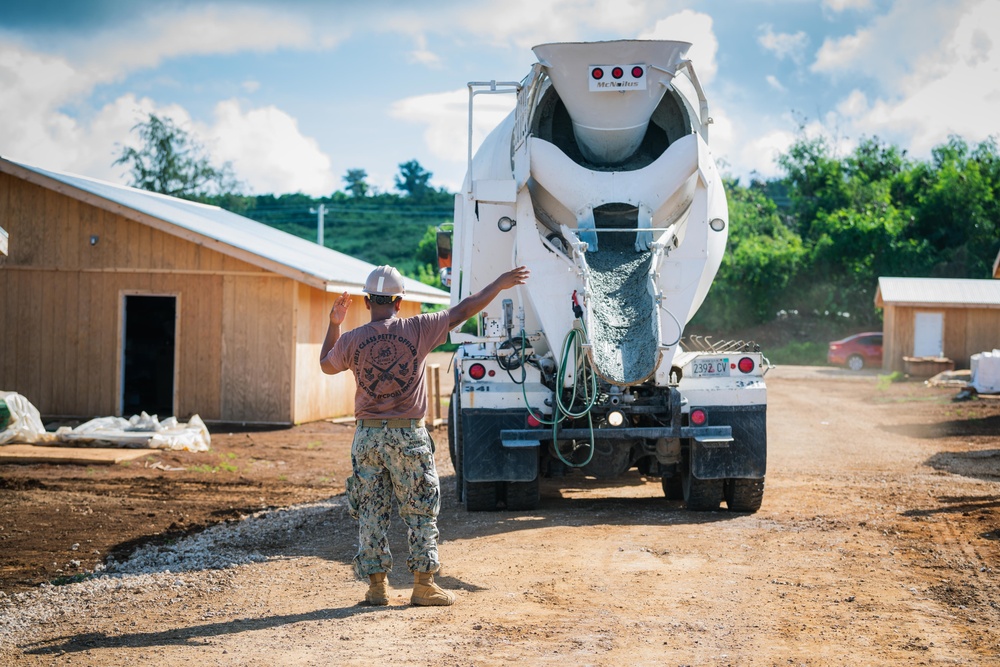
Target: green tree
[
  {"x": 760, "y": 264},
  {"x": 955, "y": 207},
  {"x": 170, "y": 161},
  {"x": 815, "y": 182},
  {"x": 356, "y": 182},
  {"x": 413, "y": 180}
]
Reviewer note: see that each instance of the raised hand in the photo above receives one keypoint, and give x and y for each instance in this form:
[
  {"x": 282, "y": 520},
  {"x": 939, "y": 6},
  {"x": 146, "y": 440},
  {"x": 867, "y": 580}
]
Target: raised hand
[
  {"x": 514, "y": 277},
  {"x": 339, "y": 311}
]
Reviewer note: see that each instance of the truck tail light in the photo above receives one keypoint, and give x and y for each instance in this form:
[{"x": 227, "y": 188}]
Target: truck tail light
[
  {"x": 533, "y": 421},
  {"x": 746, "y": 365},
  {"x": 698, "y": 417},
  {"x": 477, "y": 371}
]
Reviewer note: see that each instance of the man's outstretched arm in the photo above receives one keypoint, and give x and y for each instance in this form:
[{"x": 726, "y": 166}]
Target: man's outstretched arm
[{"x": 474, "y": 303}]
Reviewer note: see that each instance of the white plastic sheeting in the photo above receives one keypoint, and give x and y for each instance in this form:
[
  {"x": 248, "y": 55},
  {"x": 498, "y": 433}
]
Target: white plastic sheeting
[
  {"x": 139, "y": 431},
  {"x": 986, "y": 372},
  {"x": 25, "y": 424}
]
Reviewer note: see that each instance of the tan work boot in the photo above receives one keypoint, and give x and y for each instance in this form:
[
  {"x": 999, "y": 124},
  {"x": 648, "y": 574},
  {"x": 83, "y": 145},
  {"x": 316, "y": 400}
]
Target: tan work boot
[
  {"x": 428, "y": 594},
  {"x": 378, "y": 590}
]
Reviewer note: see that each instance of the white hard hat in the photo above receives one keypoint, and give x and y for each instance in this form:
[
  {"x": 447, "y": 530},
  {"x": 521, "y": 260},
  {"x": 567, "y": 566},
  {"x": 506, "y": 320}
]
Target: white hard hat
[{"x": 384, "y": 281}]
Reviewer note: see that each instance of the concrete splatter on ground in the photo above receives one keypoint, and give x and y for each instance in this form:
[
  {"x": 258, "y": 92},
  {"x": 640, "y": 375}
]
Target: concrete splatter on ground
[{"x": 622, "y": 320}]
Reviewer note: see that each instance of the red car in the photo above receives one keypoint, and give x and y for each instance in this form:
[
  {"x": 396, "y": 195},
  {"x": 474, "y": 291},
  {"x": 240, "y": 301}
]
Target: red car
[{"x": 857, "y": 351}]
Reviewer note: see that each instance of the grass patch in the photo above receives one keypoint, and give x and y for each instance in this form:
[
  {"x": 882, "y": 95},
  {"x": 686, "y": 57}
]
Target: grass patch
[
  {"x": 795, "y": 353},
  {"x": 225, "y": 465},
  {"x": 884, "y": 381}
]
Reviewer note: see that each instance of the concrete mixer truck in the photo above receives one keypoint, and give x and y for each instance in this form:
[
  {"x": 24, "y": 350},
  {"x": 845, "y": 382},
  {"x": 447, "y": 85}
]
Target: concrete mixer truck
[{"x": 601, "y": 181}]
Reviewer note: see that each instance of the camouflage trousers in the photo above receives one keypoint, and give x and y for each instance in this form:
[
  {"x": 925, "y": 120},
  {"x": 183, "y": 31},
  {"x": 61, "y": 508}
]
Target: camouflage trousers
[{"x": 400, "y": 462}]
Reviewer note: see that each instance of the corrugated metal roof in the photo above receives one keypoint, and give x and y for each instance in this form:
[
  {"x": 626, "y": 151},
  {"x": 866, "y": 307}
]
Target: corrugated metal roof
[
  {"x": 938, "y": 291},
  {"x": 323, "y": 267}
]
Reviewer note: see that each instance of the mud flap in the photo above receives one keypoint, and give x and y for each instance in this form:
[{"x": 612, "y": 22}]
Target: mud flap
[
  {"x": 484, "y": 458},
  {"x": 745, "y": 457}
]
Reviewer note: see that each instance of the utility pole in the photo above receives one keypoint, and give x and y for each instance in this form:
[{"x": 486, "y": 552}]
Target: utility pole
[{"x": 319, "y": 222}]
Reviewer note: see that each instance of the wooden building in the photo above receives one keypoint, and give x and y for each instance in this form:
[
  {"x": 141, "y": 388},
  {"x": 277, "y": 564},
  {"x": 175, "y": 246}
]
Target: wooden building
[
  {"x": 950, "y": 318},
  {"x": 117, "y": 300}
]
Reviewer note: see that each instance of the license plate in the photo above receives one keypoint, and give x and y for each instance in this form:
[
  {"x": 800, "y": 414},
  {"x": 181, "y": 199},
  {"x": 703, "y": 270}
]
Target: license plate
[{"x": 703, "y": 368}]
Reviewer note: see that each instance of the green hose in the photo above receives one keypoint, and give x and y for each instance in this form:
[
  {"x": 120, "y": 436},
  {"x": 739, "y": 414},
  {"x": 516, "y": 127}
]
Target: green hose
[{"x": 573, "y": 342}]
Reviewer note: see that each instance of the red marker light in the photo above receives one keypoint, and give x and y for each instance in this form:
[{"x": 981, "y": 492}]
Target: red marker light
[
  {"x": 699, "y": 417},
  {"x": 477, "y": 371},
  {"x": 746, "y": 365},
  {"x": 617, "y": 72},
  {"x": 637, "y": 72},
  {"x": 533, "y": 421},
  {"x": 492, "y": 373},
  {"x": 597, "y": 73}
]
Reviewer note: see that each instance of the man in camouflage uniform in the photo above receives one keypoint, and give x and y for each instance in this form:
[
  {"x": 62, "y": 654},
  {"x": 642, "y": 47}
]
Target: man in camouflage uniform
[{"x": 392, "y": 452}]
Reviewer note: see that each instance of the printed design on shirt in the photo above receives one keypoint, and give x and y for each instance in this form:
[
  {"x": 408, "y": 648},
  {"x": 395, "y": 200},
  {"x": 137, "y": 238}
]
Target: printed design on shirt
[{"x": 386, "y": 363}]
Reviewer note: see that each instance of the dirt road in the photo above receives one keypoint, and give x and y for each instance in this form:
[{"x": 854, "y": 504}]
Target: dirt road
[{"x": 877, "y": 544}]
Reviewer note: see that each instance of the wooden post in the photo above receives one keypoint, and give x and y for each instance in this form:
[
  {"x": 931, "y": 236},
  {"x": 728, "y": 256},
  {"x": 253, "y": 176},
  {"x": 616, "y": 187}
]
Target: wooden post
[{"x": 434, "y": 395}]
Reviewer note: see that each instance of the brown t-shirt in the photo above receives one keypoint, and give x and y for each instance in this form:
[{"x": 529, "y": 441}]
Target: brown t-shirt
[{"x": 388, "y": 359}]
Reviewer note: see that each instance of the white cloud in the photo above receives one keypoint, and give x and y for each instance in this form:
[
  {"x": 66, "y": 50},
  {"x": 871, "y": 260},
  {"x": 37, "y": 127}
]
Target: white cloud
[
  {"x": 40, "y": 91},
  {"x": 192, "y": 31},
  {"x": 445, "y": 115},
  {"x": 694, "y": 27},
  {"x": 267, "y": 150},
  {"x": 749, "y": 146},
  {"x": 887, "y": 48},
  {"x": 522, "y": 24},
  {"x": 783, "y": 44},
  {"x": 446, "y": 119},
  {"x": 739, "y": 156},
  {"x": 250, "y": 86},
  {"x": 842, "y": 5},
  {"x": 423, "y": 55},
  {"x": 854, "y": 105},
  {"x": 265, "y": 145},
  {"x": 773, "y": 82},
  {"x": 844, "y": 53},
  {"x": 507, "y": 22},
  {"x": 950, "y": 85}
]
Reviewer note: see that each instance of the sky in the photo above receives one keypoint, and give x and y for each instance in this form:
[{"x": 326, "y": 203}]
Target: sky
[{"x": 294, "y": 93}]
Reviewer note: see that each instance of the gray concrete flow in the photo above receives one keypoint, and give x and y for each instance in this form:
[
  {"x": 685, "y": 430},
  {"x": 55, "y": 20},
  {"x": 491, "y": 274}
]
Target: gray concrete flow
[{"x": 622, "y": 325}]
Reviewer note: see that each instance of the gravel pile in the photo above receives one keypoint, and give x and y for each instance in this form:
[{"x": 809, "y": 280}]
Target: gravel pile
[
  {"x": 199, "y": 563},
  {"x": 621, "y": 332}
]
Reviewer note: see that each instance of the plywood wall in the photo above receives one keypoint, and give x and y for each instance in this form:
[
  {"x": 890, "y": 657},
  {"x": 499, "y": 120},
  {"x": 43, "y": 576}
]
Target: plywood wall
[
  {"x": 258, "y": 346},
  {"x": 967, "y": 331},
  {"x": 61, "y": 312}
]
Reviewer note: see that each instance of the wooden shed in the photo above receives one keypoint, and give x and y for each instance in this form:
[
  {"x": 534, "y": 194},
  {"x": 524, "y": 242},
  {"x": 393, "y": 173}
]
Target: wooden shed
[
  {"x": 117, "y": 300},
  {"x": 951, "y": 318}
]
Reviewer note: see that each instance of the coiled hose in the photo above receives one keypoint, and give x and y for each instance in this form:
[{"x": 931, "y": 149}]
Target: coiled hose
[{"x": 573, "y": 344}]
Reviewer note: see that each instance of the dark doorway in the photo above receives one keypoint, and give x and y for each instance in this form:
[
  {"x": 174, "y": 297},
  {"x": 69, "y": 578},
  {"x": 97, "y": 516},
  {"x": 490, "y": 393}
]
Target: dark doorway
[{"x": 148, "y": 374}]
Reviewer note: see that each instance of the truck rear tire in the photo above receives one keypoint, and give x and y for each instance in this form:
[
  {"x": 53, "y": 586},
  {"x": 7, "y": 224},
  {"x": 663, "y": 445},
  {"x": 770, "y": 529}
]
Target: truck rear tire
[
  {"x": 523, "y": 496},
  {"x": 744, "y": 495},
  {"x": 672, "y": 488},
  {"x": 480, "y": 496},
  {"x": 700, "y": 495}
]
